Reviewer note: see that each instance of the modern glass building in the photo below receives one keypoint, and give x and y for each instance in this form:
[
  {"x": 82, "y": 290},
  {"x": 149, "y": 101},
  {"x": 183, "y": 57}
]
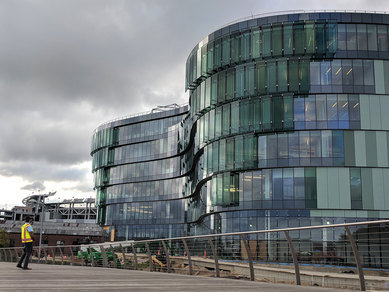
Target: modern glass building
[
  {"x": 287, "y": 127},
  {"x": 136, "y": 166}
]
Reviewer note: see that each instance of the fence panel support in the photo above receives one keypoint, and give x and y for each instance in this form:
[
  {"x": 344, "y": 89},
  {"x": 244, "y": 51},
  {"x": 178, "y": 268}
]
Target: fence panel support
[
  {"x": 214, "y": 251},
  {"x": 167, "y": 256},
  {"x": 124, "y": 256},
  {"x": 92, "y": 258},
  {"x": 135, "y": 258},
  {"x": 250, "y": 259},
  {"x": 71, "y": 255},
  {"x": 189, "y": 257},
  {"x": 53, "y": 254},
  {"x": 357, "y": 259},
  {"x": 45, "y": 253},
  {"x": 10, "y": 253},
  {"x": 104, "y": 254},
  {"x": 150, "y": 258},
  {"x": 294, "y": 256},
  {"x": 60, "y": 252}
]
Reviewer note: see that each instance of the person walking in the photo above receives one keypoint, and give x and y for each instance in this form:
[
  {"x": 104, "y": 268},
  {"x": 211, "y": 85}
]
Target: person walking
[{"x": 27, "y": 240}]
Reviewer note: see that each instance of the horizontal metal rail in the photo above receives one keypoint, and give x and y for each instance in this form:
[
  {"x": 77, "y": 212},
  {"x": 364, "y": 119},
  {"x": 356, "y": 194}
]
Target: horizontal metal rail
[{"x": 221, "y": 255}]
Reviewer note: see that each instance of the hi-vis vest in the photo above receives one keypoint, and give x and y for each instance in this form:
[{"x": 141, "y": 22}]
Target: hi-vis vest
[{"x": 26, "y": 237}]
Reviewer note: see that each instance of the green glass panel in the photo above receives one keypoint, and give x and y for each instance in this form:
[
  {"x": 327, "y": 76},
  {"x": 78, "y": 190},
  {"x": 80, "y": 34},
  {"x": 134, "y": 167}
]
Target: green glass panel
[
  {"x": 278, "y": 112},
  {"x": 206, "y": 128},
  {"x": 277, "y": 40},
  {"x": 257, "y": 114},
  {"x": 219, "y": 189},
  {"x": 214, "y": 90},
  {"x": 207, "y": 92},
  {"x": 356, "y": 188},
  {"x": 236, "y": 189},
  {"x": 247, "y": 151},
  {"x": 210, "y": 57},
  {"x": 304, "y": 75},
  {"x": 260, "y": 78},
  {"x": 214, "y": 191},
  {"x": 293, "y": 75},
  {"x": 203, "y": 59},
  {"x": 235, "y": 50},
  {"x": 310, "y": 37},
  {"x": 226, "y": 189},
  {"x": 288, "y": 39},
  {"x": 209, "y": 170},
  {"x": 202, "y": 96},
  {"x": 266, "y": 113},
  {"x": 266, "y": 45},
  {"x": 256, "y": 43},
  {"x": 215, "y": 158},
  {"x": 222, "y": 155},
  {"x": 239, "y": 81},
  {"x": 226, "y": 119},
  {"x": 218, "y": 122},
  {"x": 230, "y": 84},
  {"x": 299, "y": 38},
  {"x": 221, "y": 87},
  {"x": 235, "y": 117},
  {"x": 250, "y": 79},
  {"x": 238, "y": 152},
  {"x": 271, "y": 76},
  {"x": 217, "y": 54},
  {"x": 198, "y": 98},
  {"x": 245, "y": 46},
  {"x": 244, "y": 118},
  {"x": 310, "y": 188},
  {"x": 226, "y": 51},
  {"x": 288, "y": 111},
  {"x": 282, "y": 75},
  {"x": 332, "y": 36},
  {"x": 211, "y": 132},
  {"x": 230, "y": 153}
]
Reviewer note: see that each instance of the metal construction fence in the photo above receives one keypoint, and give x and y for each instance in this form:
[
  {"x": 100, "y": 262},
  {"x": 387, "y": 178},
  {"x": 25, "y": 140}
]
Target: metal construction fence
[{"x": 299, "y": 255}]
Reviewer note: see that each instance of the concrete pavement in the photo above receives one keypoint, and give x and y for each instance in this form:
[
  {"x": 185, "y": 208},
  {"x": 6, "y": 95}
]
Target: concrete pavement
[{"x": 69, "y": 278}]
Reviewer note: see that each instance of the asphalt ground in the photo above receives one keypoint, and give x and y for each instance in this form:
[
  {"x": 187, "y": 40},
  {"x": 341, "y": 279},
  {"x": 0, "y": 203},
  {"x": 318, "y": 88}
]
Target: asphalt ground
[{"x": 73, "y": 278}]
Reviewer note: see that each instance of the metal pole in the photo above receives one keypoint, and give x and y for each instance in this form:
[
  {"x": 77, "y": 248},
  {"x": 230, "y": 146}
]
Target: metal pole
[
  {"x": 250, "y": 259},
  {"x": 294, "y": 256},
  {"x": 214, "y": 251},
  {"x": 135, "y": 258},
  {"x": 150, "y": 257},
  {"x": 357, "y": 259},
  {"x": 41, "y": 224},
  {"x": 167, "y": 256},
  {"x": 188, "y": 255}
]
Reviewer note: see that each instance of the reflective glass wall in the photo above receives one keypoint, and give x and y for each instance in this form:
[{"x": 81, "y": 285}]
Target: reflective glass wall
[
  {"x": 287, "y": 126},
  {"x": 287, "y": 123}
]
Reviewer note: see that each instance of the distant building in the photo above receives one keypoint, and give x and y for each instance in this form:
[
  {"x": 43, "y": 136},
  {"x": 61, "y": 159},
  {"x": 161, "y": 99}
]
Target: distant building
[{"x": 65, "y": 222}]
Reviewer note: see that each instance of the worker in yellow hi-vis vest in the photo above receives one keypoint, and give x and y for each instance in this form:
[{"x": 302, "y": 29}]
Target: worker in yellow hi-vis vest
[{"x": 27, "y": 240}]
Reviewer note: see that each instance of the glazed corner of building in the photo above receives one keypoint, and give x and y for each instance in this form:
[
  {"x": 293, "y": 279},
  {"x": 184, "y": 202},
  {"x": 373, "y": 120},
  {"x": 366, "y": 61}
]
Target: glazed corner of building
[{"x": 287, "y": 121}]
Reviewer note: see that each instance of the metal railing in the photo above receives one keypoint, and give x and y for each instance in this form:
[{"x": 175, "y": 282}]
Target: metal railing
[{"x": 313, "y": 255}]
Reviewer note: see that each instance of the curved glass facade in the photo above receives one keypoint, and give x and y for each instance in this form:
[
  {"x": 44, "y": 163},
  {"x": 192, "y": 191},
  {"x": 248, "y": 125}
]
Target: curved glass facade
[{"x": 287, "y": 127}]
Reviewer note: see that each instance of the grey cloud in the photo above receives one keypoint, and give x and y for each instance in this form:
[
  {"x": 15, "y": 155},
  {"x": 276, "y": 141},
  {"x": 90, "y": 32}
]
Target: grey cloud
[
  {"x": 34, "y": 187},
  {"x": 68, "y": 66}
]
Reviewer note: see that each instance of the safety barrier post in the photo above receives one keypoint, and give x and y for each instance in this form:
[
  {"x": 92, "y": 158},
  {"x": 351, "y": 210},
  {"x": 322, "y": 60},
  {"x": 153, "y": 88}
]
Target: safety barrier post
[
  {"x": 104, "y": 254},
  {"x": 243, "y": 237},
  {"x": 214, "y": 251},
  {"x": 294, "y": 256},
  {"x": 189, "y": 257},
  {"x": 135, "y": 258},
  {"x": 167, "y": 257},
  {"x": 357, "y": 259},
  {"x": 150, "y": 258},
  {"x": 124, "y": 256}
]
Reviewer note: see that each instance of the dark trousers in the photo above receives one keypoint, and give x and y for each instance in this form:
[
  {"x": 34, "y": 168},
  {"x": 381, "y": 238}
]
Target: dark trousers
[{"x": 26, "y": 255}]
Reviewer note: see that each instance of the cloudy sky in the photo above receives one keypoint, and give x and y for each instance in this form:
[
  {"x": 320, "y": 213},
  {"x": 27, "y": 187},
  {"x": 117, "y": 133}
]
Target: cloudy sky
[{"x": 68, "y": 66}]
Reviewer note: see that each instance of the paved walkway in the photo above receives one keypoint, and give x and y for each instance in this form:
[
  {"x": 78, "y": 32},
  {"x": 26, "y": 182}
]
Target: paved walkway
[{"x": 69, "y": 278}]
